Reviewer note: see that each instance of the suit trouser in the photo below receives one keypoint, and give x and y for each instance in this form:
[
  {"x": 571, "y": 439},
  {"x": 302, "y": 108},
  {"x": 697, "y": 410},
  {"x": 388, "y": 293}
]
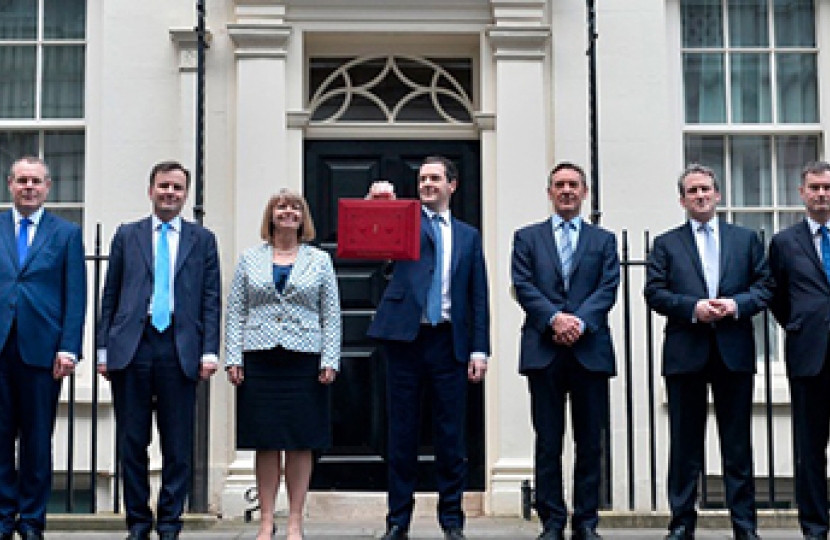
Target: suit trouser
[
  {"x": 549, "y": 391},
  {"x": 426, "y": 365},
  {"x": 154, "y": 381},
  {"x": 688, "y": 407},
  {"x": 811, "y": 430},
  {"x": 28, "y": 405}
]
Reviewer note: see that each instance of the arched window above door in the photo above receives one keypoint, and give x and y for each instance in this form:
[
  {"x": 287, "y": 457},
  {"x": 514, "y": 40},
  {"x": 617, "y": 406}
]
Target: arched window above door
[{"x": 391, "y": 89}]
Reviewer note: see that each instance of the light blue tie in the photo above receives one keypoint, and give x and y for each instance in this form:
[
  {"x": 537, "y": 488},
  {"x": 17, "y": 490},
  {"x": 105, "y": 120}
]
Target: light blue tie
[
  {"x": 711, "y": 260},
  {"x": 23, "y": 240},
  {"x": 434, "y": 295},
  {"x": 566, "y": 250},
  {"x": 161, "y": 282},
  {"x": 825, "y": 249}
]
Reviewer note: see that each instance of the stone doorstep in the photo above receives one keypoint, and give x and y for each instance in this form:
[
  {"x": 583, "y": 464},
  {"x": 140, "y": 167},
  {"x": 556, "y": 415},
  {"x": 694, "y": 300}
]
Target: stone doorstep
[{"x": 710, "y": 519}]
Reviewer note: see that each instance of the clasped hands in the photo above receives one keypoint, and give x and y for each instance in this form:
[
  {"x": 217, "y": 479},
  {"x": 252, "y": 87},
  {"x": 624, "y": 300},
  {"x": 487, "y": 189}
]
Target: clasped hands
[
  {"x": 567, "y": 329},
  {"x": 714, "y": 309}
]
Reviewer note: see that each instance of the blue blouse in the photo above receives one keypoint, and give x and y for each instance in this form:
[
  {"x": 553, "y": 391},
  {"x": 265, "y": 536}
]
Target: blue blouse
[{"x": 281, "y": 273}]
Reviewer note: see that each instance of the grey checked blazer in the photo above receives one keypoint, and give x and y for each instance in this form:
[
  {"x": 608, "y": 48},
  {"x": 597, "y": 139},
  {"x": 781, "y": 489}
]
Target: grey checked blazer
[{"x": 305, "y": 317}]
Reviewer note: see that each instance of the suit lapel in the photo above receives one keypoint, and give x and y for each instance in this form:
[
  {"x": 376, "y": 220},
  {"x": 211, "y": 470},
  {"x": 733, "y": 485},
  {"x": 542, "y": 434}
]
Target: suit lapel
[
  {"x": 804, "y": 238},
  {"x": 187, "y": 239},
  {"x": 687, "y": 239},
  {"x": 44, "y": 230},
  {"x": 300, "y": 263},
  {"x": 455, "y": 256},
  {"x": 725, "y": 255},
  {"x": 549, "y": 242},
  {"x": 144, "y": 239},
  {"x": 585, "y": 236},
  {"x": 7, "y": 232}
]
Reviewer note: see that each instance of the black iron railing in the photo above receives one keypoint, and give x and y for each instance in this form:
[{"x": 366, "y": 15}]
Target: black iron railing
[{"x": 76, "y": 487}]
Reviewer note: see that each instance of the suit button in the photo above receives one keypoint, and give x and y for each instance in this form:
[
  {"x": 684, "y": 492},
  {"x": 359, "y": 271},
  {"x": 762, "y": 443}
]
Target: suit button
[{"x": 279, "y": 318}]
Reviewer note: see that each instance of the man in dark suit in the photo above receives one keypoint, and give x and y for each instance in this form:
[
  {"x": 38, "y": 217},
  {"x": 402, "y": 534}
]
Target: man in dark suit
[
  {"x": 433, "y": 321},
  {"x": 708, "y": 278},
  {"x": 799, "y": 258},
  {"x": 565, "y": 275},
  {"x": 158, "y": 336},
  {"x": 43, "y": 293}
]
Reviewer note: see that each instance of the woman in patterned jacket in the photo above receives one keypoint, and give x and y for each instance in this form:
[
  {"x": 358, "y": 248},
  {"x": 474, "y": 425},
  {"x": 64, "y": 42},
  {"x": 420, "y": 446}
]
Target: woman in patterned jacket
[{"x": 283, "y": 351}]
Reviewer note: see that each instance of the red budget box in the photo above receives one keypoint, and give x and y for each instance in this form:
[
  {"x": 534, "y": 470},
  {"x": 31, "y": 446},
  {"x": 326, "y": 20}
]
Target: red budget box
[{"x": 379, "y": 229}]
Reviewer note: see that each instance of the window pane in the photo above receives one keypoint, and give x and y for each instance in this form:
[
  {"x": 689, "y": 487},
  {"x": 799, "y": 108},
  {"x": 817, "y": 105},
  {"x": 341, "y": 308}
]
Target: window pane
[
  {"x": 17, "y": 81},
  {"x": 756, "y": 221},
  {"x": 797, "y": 88},
  {"x": 751, "y": 103},
  {"x": 751, "y": 184},
  {"x": 63, "y": 151},
  {"x": 793, "y": 153},
  {"x": 707, "y": 150},
  {"x": 795, "y": 23},
  {"x": 702, "y": 23},
  {"x": 705, "y": 90},
  {"x": 748, "y": 24},
  {"x": 787, "y": 219},
  {"x": 18, "y": 19},
  {"x": 13, "y": 146},
  {"x": 75, "y": 215},
  {"x": 63, "y": 82},
  {"x": 64, "y": 19}
]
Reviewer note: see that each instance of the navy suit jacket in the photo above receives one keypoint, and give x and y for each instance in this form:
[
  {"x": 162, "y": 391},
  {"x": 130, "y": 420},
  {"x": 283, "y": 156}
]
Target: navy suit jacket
[
  {"x": 675, "y": 283},
  {"x": 400, "y": 311},
  {"x": 801, "y": 299},
  {"x": 540, "y": 290},
  {"x": 47, "y": 295},
  {"x": 129, "y": 287}
]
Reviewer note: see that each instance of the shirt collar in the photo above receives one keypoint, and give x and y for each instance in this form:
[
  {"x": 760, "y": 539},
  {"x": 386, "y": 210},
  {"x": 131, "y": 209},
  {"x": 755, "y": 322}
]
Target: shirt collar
[
  {"x": 175, "y": 223},
  {"x": 35, "y": 218},
  {"x": 557, "y": 220},
  {"x": 713, "y": 224},
  {"x": 814, "y": 225},
  {"x": 445, "y": 215}
]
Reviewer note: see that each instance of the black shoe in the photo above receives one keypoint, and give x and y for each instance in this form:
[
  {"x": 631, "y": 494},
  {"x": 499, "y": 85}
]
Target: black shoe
[
  {"x": 7, "y": 536},
  {"x": 680, "y": 533},
  {"x": 551, "y": 534},
  {"x": 746, "y": 535},
  {"x": 138, "y": 535},
  {"x": 395, "y": 532},
  {"x": 169, "y": 535},
  {"x": 585, "y": 533},
  {"x": 31, "y": 534},
  {"x": 816, "y": 536},
  {"x": 454, "y": 534}
]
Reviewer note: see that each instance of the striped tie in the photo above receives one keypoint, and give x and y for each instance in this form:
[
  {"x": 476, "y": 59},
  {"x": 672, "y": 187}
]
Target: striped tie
[
  {"x": 711, "y": 260},
  {"x": 566, "y": 250}
]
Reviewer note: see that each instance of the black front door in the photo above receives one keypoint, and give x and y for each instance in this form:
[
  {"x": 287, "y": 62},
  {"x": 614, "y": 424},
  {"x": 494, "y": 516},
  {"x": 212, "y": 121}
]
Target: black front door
[{"x": 345, "y": 169}]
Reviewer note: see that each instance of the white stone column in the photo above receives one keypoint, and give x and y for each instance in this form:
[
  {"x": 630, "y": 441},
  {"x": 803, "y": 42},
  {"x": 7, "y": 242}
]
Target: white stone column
[
  {"x": 261, "y": 163},
  {"x": 515, "y": 198},
  {"x": 186, "y": 42}
]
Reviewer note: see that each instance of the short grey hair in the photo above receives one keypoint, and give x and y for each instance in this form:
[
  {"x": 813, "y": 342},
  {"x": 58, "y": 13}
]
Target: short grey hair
[
  {"x": 814, "y": 167},
  {"x": 31, "y": 160},
  {"x": 697, "y": 168}
]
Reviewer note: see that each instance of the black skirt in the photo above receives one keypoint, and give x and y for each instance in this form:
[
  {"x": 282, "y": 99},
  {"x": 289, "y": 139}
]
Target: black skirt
[{"x": 281, "y": 405}]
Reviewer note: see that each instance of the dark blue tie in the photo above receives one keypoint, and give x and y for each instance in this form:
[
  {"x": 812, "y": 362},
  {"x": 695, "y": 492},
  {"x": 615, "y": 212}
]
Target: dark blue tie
[
  {"x": 161, "y": 282},
  {"x": 825, "y": 249},
  {"x": 434, "y": 295},
  {"x": 23, "y": 240}
]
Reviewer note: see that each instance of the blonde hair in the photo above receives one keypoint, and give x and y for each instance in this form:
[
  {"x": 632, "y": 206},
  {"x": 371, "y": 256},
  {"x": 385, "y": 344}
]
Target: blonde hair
[{"x": 305, "y": 233}]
